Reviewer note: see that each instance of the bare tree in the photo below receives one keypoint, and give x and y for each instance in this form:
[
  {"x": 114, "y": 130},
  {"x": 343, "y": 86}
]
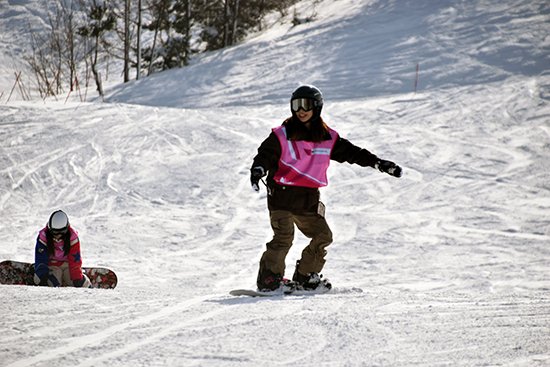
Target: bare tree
[
  {"x": 231, "y": 21},
  {"x": 39, "y": 62},
  {"x": 159, "y": 10},
  {"x": 101, "y": 20},
  {"x": 82, "y": 32}
]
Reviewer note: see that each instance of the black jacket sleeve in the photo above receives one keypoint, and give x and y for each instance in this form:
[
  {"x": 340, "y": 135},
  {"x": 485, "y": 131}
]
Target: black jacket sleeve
[
  {"x": 345, "y": 151},
  {"x": 269, "y": 153}
]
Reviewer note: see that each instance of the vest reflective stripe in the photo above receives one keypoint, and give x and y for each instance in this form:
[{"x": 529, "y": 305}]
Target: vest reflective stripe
[{"x": 303, "y": 163}]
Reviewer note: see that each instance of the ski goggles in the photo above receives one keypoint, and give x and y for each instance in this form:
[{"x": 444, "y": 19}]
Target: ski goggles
[
  {"x": 305, "y": 104},
  {"x": 58, "y": 232}
]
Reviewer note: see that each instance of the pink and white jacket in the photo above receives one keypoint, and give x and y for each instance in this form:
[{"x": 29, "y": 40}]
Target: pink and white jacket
[
  {"x": 43, "y": 260},
  {"x": 303, "y": 163}
]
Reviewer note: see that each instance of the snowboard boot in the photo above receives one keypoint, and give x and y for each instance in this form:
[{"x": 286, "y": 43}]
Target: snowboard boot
[
  {"x": 311, "y": 281},
  {"x": 288, "y": 286},
  {"x": 268, "y": 281}
]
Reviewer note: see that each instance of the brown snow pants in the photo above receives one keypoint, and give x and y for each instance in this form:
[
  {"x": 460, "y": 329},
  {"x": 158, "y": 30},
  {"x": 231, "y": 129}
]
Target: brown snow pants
[{"x": 312, "y": 225}]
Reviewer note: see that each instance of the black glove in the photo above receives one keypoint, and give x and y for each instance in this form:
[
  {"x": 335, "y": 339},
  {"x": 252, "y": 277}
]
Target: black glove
[
  {"x": 388, "y": 167},
  {"x": 256, "y": 173},
  {"x": 79, "y": 283},
  {"x": 41, "y": 281}
]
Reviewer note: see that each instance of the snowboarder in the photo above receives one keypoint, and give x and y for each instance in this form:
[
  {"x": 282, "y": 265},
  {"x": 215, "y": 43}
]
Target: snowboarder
[
  {"x": 295, "y": 157},
  {"x": 57, "y": 254}
]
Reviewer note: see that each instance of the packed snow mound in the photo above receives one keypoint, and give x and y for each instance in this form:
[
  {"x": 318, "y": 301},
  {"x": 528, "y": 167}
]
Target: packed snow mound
[{"x": 362, "y": 49}]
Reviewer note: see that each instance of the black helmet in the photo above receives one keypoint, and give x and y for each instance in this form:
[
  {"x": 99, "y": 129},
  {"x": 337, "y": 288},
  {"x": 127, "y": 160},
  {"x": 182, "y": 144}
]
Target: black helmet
[
  {"x": 308, "y": 92},
  {"x": 59, "y": 222}
]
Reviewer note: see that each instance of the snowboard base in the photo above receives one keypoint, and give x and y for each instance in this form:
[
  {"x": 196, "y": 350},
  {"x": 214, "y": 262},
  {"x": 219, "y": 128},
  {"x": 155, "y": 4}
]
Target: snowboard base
[
  {"x": 22, "y": 273},
  {"x": 277, "y": 293}
]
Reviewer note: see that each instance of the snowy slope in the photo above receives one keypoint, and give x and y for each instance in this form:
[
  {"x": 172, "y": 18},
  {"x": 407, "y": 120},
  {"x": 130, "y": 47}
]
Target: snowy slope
[
  {"x": 447, "y": 266},
  {"x": 362, "y": 49}
]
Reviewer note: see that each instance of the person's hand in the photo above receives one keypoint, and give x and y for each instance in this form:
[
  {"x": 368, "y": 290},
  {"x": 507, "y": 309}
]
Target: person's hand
[
  {"x": 389, "y": 167},
  {"x": 43, "y": 282},
  {"x": 256, "y": 173}
]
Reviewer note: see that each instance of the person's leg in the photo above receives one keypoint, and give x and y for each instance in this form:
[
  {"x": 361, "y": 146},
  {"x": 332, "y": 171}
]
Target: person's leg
[
  {"x": 313, "y": 226},
  {"x": 272, "y": 263},
  {"x": 66, "y": 275},
  {"x": 56, "y": 276}
]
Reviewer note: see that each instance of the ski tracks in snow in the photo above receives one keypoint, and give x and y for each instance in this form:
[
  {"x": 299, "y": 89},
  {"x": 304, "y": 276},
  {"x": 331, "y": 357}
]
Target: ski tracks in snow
[
  {"x": 159, "y": 198},
  {"x": 100, "y": 343},
  {"x": 433, "y": 327}
]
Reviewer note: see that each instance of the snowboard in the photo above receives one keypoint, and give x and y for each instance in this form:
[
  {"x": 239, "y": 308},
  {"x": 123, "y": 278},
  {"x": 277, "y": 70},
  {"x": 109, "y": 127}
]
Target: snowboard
[
  {"x": 22, "y": 273},
  {"x": 278, "y": 292}
]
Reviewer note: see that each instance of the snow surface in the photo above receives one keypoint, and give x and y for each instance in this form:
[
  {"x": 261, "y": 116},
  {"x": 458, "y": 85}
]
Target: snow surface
[{"x": 447, "y": 266}]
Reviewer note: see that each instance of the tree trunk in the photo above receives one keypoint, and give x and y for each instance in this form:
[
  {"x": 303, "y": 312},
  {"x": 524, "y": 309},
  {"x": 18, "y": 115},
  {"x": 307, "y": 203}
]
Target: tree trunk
[
  {"x": 126, "y": 41},
  {"x": 138, "y": 67},
  {"x": 235, "y": 21},
  {"x": 94, "y": 67},
  {"x": 226, "y": 24}
]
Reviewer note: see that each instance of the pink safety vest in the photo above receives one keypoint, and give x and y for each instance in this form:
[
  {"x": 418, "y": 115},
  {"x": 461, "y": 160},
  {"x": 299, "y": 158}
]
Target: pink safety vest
[{"x": 303, "y": 163}]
